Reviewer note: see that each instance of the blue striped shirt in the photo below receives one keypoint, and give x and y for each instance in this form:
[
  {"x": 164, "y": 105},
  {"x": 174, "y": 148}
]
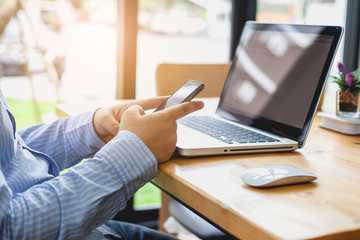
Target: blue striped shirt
[{"x": 38, "y": 203}]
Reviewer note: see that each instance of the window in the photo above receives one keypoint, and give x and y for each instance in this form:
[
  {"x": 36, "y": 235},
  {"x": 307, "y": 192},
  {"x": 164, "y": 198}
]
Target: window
[
  {"x": 88, "y": 37},
  {"x": 180, "y": 31}
]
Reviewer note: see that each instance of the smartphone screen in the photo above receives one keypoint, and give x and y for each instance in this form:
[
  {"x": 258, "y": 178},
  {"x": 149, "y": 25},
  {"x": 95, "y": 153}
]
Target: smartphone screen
[{"x": 184, "y": 94}]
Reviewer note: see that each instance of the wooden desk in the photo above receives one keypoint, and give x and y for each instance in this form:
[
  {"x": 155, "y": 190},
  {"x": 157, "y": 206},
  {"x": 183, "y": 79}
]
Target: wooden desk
[{"x": 328, "y": 208}]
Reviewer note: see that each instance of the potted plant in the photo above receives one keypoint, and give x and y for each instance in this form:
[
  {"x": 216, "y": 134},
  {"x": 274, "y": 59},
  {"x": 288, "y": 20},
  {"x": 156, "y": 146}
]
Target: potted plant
[{"x": 347, "y": 97}]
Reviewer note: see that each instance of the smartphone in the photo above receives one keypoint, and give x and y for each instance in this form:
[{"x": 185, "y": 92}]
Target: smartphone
[{"x": 184, "y": 94}]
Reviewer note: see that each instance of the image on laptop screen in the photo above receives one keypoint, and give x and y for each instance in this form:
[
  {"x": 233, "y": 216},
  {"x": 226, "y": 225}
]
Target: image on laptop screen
[{"x": 275, "y": 74}]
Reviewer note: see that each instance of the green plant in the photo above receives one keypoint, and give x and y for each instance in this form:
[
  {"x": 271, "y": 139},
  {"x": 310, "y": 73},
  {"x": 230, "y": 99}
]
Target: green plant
[{"x": 348, "y": 81}]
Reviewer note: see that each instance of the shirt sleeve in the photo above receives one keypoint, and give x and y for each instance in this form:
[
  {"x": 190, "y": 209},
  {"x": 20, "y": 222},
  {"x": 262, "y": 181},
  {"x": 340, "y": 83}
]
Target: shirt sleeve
[
  {"x": 71, "y": 205},
  {"x": 66, "y": 141}
]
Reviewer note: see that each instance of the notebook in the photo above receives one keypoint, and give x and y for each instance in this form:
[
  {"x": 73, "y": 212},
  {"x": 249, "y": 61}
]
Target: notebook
[{"x": 272, "y": 89}]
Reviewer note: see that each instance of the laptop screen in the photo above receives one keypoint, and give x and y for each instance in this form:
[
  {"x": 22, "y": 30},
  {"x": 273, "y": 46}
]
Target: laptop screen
[{"x": 277, "y": 76}]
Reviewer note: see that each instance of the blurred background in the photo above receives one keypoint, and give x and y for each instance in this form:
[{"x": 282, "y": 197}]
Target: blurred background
[{"x": 55, "y": 51}]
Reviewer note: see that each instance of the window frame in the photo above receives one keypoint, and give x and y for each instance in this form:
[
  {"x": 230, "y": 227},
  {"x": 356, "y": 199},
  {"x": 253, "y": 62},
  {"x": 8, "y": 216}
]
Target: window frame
[{"x": 352, "y": 35}]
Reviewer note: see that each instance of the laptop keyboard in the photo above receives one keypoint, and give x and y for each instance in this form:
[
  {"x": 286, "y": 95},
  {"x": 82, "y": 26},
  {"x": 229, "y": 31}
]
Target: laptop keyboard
[{"x": 224, "y": 131}]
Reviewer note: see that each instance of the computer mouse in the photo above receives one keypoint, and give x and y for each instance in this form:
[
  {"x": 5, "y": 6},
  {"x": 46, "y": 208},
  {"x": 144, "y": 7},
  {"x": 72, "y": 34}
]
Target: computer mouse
[{"x": 276, "y": 175}]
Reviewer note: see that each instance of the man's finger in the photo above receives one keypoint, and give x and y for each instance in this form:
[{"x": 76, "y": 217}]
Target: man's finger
[
  {"x": 135, "y": 110},
  {"x": 151, "y": 103},
  {"x": 114, "y": 126},
  {"x": 183, "y": 109}
]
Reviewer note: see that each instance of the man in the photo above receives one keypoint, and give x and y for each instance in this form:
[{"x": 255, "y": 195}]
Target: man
[{"x": 123, "y": 146}]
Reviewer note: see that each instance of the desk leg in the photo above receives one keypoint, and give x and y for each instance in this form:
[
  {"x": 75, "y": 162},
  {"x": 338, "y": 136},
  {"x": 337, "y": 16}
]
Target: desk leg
[{"x": 164, "y": 211}]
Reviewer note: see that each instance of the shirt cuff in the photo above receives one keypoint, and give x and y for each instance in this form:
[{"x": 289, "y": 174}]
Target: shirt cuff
[
  {"x": 96, "y": 141},
  {"x": 81, "y": 133},
  {"x": 129, "y": 155}
]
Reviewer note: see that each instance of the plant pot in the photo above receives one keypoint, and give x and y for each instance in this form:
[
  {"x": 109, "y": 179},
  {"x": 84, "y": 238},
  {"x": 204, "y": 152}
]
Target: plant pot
[{"x": 347, "y": 104}]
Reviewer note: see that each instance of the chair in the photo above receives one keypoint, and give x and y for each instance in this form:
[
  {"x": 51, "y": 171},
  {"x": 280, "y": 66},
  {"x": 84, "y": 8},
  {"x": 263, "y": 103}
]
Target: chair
[{"x": 170, "y": 77}]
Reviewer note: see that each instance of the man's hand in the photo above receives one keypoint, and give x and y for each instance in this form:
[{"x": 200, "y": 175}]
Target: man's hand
[
  {"x": 106, "y": 120},
  {"x": 157, "y": 130}
]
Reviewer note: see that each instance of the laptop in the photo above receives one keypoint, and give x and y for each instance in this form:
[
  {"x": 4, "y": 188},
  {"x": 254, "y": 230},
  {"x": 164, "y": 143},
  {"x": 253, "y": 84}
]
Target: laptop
[{"x": 270, "y": 95}]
